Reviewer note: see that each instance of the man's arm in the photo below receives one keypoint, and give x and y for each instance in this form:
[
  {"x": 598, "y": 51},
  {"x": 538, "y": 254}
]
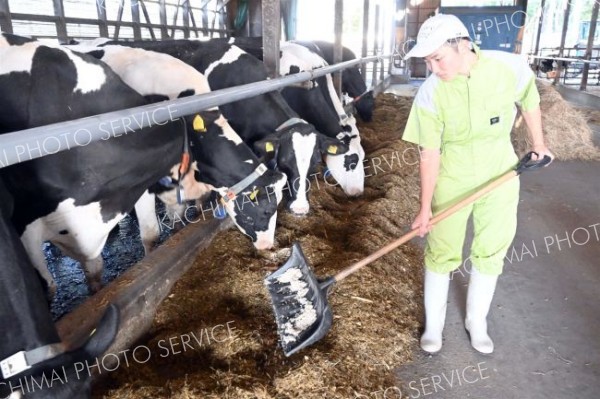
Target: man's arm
[
  {"x": 429, "y": 168},
  {"x": 533, "y": 120}
]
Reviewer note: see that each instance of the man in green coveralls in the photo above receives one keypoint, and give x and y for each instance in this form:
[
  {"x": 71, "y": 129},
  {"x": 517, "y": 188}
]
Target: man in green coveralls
[{"x": 461, "y": 119}]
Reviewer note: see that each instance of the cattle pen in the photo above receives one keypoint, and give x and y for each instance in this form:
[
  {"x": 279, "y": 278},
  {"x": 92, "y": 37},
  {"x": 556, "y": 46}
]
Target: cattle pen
[{"x": 195, "y": 319}]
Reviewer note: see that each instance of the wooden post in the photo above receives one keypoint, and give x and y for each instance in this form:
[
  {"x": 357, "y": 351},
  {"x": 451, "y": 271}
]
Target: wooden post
[
  {"x": 337, "y": 47},
  {"x": 5, "y": 19},
  {"x": 590, "y": 46},
  {"x": 271, "y": 30},
  {"x": 562, "y": 42}
]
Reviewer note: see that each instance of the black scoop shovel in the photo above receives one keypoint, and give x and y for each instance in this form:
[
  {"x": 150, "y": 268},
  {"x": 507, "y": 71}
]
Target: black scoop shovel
[{"x": 299, "y": 299}]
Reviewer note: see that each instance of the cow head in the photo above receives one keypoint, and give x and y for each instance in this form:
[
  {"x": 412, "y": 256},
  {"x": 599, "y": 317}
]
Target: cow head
[
  {"x": 250, "y": 192},
  {"x": 347, "y": 169},
  {"x": 298, "y": 149}
]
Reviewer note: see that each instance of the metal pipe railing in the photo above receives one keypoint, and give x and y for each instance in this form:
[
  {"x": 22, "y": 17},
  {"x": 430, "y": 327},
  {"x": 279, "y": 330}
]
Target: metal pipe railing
[{"x": 28, "y": 144}]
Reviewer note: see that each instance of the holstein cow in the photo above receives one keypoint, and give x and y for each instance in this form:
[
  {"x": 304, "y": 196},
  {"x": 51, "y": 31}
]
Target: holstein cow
[
  {"x": 266, "y": 121},
  {"x": 74, "y": 198},
  {"x": 352, "y": 81},
  {"x": 332, "y": 120},
  {"x": 317, "y": 102},
  {"x": 223, "y": 161},
  {"x": 33, "y": 361}
]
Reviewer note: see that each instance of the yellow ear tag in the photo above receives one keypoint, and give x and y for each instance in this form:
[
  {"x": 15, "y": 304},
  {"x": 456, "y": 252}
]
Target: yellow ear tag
[
  {"x": 253, "y": 195},
  {"x": 269, "y": 147},
  {"x": 332, "y": 149},
  {"x": 199, "y": 124}
]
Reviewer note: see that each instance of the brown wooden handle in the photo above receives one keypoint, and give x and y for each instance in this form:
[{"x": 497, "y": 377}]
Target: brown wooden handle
[{"x": 440, "y": 216}]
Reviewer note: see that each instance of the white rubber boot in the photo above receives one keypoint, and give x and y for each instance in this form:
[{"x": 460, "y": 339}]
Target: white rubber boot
[
  {"x": 479, "y": 299},
  {"x": 436, "y": 300}
]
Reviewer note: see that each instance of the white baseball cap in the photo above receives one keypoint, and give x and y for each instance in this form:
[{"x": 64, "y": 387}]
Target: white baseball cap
[{"x": 436, "y": 31}]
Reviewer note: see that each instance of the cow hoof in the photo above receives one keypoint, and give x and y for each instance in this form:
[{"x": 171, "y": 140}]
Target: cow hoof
[
  {"x": 51, "y": 292},
  {"x": 95, "y": 286}
]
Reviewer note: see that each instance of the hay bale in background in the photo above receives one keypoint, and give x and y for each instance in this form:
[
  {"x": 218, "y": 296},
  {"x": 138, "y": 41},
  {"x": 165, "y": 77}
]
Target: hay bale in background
[{"x": 566, "y": 131}]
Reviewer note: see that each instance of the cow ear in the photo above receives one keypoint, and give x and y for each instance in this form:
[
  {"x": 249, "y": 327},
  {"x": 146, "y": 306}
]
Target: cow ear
[
  {"x": 198, "y": 124},
  {"x": 266, "y": 147},
  {"x": 332, "y": 146}
]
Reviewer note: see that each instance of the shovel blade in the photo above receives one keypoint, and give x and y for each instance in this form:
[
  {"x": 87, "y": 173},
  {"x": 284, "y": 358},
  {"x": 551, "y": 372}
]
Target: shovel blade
[{"x": 299, "y": 302}]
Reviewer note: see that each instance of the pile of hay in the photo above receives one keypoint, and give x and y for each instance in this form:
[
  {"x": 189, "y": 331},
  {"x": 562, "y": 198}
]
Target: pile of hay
[
  {"x": 566, "y": 131},
  {"x": 377, "y": 312}
]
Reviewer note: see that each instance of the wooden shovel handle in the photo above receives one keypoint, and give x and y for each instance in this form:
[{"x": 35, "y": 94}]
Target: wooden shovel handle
[{"x": 440, "y": 216}]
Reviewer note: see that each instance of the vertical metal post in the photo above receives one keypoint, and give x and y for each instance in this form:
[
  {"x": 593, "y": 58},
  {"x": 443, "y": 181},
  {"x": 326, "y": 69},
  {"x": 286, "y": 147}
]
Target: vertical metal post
[
  {"x": 590, "y": 45},
  {"x": 204, "y": 8},
  {"x": 271, "y": 30},
  {"x": 375, "y": 44},
  {"x": 135, "y": 19},
  {"x": 382, "y": 25},
  {"x": 102, "y": 22},
  {"x": 164, "y": 33},
  {"x": 5, "y": 19},
  {"x": 61, "y": 24},
  {"x": 337, "y": 47},
  {"x": 562, "y": 41},
  {"x": 186, "y": 18},
  {"x": 147, "y": 18},
  {"x": 119, "y": 19},
  {"x": 363, "y": 67},
  {"x": 175, "y": 18},
  {"x": 540, "y": 27}
]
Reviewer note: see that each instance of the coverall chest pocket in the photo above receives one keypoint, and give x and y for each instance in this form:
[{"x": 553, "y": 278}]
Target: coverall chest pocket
[
  {"x": 457, "y": 125},
  {"x": 498, "y": 116}
]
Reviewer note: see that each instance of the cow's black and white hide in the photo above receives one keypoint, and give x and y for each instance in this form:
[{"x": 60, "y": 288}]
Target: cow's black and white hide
[
  {"x": 222, "y": 159},
  {"x": 265, "y": 121},
  {"x": 28, "y": 330}
]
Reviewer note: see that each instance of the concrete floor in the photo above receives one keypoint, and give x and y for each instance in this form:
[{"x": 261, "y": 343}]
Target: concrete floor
[{"x": 545, "y": 317}]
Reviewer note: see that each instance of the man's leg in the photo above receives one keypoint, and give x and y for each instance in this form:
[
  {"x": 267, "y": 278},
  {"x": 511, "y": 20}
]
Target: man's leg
[
  {"x": 495, "y": 224},
  {"x": 443, "y": 254}
]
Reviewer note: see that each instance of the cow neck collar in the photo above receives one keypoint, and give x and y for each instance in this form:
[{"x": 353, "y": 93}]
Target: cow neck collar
[
  {"x": 24, "y": 360},
  {"x": 289, "y": 123},
  {"x": 237, "y": 188}
]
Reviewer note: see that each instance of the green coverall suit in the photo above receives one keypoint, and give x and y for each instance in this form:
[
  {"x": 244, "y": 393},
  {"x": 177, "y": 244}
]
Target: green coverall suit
[{"x": 470, "y": 120}]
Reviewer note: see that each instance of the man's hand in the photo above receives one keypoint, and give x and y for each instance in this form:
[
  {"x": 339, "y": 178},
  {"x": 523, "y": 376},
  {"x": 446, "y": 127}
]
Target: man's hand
[
  {"x": 423, "y": 222},
  {"x": 542, "y": 151}
]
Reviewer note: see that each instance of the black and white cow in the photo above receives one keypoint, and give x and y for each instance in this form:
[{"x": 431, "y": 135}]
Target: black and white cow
[
  {"x": 33, "y": 361},
  {"x": 317, "y": 102},
  {"x": 74, "y": 198},
  {"x": 353, "y": 82},
  {"x": 330, "y": 119},
  {"x": 265, "y": 121},
  {"x": 222, "y": 160}
]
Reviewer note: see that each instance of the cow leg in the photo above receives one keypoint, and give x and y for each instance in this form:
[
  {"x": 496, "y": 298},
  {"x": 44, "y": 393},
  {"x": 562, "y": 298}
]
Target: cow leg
[
  {"x": 93, "y": 273},
  {"x": 146, "y": 215},
  {"x": 32, "y": 241}
]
